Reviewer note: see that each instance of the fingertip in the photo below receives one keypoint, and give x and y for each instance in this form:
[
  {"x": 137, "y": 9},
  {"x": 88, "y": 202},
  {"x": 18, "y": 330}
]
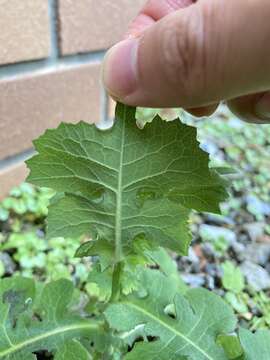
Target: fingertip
[
  {"x": 262, "y": 107},
  {"x": 119, "y": 69},
  {"x": 252, "y": 108}
]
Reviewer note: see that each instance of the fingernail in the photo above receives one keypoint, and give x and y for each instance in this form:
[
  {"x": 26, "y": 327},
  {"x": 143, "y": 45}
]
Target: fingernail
[
  {"x": 120, "y": 68},
  {"x": 262, "y": 108}
]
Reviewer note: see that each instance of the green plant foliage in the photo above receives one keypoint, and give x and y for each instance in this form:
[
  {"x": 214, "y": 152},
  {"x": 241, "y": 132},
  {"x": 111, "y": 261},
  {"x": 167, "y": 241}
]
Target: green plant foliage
[
  {"x": 190, "y": 331},
  {"x": 131, "y": 192},
  {"x": 239, "y": 302},
  {"x": 157, "y": 323},
  {"x": 26, "y": 201},
  {"x": 72, "y": 350},
  {"x": 262, "y": 303},
  {"x": 256, "y": 346},
  {"x": 116, "y": 180},
  {"x": 46, "y": 258},
  {"x": 247, "y": 148},
  {"x": 232, "y": 347},
  {"x": 99, "y": 281},
  {"x": 232, "y": 279},
  {"x": 34, "y": 319},
  {"x": 219, "y": 242},
  {"x": 168, "y": 267}
]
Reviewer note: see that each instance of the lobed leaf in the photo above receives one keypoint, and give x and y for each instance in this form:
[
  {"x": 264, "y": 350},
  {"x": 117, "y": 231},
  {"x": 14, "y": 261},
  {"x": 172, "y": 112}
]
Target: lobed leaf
[
  {"x": 125, "y": 182},
  {"x": 186, "y": 330},
  {"x": 31, "y": 321}
]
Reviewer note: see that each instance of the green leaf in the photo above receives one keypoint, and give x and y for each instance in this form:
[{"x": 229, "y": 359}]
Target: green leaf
[
  {"x": 103, "y": 280},
  {"x": 72, "y": 350},
  {"x": 232, "y": 278},
  {"x": 237, "y": 301},
  {"x": 168, "y": 267},
  {"x": 31, "y": 321},
  {"x": 232, "y": 346},
  {"x": 256, "y": 346},
  {"x": 118, "y": 184},
  {"x": 190, "y": 331}
]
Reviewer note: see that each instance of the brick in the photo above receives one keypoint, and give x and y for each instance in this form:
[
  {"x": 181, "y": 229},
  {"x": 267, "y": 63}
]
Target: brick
[
  {"x": 88, "y": 25},
  {"x": 10, "y": 177},
  {"x": 25, "y": 33},
  {"x": 33, "y": 103}
]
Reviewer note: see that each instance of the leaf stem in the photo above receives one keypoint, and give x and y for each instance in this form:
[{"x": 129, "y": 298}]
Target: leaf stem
[{"x": 116, "y": 288}]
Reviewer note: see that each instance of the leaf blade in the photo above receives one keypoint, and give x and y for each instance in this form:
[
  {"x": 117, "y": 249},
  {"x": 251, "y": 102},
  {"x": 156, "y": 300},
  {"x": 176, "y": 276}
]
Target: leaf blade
[
  {"x": 199, "y": 318},
  {"x": 23, "y": 333},
  {"x": 125, "y": 182}
]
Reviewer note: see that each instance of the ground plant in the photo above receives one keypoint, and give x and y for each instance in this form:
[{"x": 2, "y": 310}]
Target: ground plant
[{"x": 128, "y": 192}]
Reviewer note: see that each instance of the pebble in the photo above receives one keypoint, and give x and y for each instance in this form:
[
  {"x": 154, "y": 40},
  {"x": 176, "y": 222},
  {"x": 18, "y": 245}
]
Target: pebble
[
  {"x": 9, "y": 264},
  {"x": 219, "y": 219},
  {"x": 190, "y": 263},
  {"x": 210, "y": 282},
  {"x": 257, "y": 277},
  {"x": 257, "y": 206},
  {"x": 239, "y": 250},
  {"x": 258, "y": 253},
  {"x": 211, "y": 233},
  {"x": 255, "y": 230},
  {"x": 192, "y": 257},
  {"x": 208, "y": 251},
  {"x": 213, "y": 270},
  {"x": 194, "y": 280}
]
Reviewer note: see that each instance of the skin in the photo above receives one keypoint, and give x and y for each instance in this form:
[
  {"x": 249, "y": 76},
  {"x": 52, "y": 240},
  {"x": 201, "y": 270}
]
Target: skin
[{"x": 195, "y": 54}]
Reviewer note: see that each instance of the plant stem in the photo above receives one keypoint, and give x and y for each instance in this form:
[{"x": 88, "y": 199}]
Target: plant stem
[{"x": 116, "y": 288}]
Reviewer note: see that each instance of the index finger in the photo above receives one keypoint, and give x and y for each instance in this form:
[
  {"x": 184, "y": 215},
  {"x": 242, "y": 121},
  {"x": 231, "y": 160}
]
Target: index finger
[{"x": 153, "y": 11}]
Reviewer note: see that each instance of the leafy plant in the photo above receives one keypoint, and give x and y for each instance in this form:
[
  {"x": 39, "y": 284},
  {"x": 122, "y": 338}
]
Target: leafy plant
[
  {"x": 26, "y": 201},
  {"x": 35, "y": 318},
  {"x": 246, "y": 148},
  {"x": 45, "y": 258},
  {"x": 131, "y": 192},
  {"x": 242, "y": 300},
  {"x": 262, "y": 303},
  {"x": 234, "y": 282}
]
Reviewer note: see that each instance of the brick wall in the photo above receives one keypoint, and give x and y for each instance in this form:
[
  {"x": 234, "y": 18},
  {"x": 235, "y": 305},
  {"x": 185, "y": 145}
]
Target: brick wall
[{"x": 50, "y": 55}]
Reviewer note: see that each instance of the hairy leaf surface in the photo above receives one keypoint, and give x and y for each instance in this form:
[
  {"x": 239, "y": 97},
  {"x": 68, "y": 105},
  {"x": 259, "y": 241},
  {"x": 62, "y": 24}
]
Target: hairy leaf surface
[
  {"x": 188, "y": 329},
  {"x": 124, "y": 182},
  {"x": 32, "y": 321}
]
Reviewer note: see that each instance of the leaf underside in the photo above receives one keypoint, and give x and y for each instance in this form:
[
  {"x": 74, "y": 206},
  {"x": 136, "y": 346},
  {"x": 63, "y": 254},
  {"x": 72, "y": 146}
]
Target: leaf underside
[{"x": 125, "y": 182}]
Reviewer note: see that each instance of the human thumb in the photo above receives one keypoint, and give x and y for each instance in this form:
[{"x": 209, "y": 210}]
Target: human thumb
[{"x": 210, "y": 51}]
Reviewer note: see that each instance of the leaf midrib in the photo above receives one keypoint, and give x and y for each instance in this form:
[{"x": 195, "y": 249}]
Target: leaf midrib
[
  {"x": 170, "y": 328},
  {"x": 118, "y": 211},
  {"x": 60, "y": 330}
]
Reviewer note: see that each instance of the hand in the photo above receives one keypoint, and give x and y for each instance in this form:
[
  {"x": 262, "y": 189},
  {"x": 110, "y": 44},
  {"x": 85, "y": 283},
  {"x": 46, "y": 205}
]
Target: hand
[{"x": 194, "y": 54}]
